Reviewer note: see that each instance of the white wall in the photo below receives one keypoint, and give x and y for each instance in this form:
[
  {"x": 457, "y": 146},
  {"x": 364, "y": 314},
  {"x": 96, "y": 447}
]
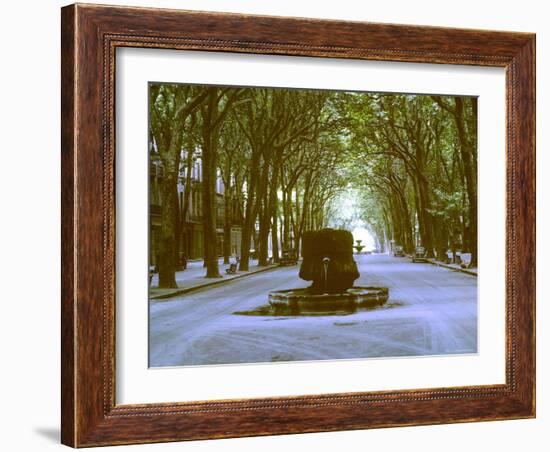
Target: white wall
[{"x": 29, "y": 254}]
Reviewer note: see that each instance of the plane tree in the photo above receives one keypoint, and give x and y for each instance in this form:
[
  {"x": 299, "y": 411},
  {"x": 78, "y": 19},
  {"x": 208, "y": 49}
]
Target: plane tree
[{"x": 170, "y": 106}]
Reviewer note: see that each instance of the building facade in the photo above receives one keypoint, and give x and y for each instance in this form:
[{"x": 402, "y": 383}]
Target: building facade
[{"x": 191, "y": 235}]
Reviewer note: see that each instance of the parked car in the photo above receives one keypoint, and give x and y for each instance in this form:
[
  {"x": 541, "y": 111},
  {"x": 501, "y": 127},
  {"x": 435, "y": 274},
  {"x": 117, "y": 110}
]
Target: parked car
[
  {"x": 288, "y": 257},
  {"x": 398, "y": 251},
  {"x": 419, "y": 254}
]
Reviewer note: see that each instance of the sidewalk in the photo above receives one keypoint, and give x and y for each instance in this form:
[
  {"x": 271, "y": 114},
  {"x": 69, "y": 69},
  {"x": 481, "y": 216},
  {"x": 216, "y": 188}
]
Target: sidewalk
[
  {"x": 193, "y": 279},
  {"x": 456, "y": 267}
]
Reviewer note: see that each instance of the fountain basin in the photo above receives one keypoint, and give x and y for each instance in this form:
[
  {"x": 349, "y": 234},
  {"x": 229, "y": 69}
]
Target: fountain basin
[{"x": 302, "y": 301}]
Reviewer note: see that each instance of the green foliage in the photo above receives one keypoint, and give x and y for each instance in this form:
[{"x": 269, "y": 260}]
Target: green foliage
[
  {"x": 407, "y": 153},
  {"x": 291, "y": 156}
]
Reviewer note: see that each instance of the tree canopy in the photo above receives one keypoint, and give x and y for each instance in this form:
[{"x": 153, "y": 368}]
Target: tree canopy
[{"x": 286, "y": 156}]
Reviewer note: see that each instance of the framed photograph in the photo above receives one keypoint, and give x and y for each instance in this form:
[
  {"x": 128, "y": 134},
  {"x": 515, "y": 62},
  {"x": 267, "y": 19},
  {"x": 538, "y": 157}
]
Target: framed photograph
[{"x": 281, "y": 225}]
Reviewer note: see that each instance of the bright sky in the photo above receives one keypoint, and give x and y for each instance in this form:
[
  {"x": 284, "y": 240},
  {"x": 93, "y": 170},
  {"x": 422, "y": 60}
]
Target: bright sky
[
  {"x": 347, "y": 211},
  {"x": 363, "y": 234}
]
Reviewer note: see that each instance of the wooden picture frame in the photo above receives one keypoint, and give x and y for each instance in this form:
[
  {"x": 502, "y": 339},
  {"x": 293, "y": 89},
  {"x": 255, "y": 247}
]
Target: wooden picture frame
[{"x": 90, "y": 36}]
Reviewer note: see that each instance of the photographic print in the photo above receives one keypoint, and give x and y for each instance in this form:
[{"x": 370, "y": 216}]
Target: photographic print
[
  {"x": 273, "y": 225},
  {"x": 302, "y": 225}
]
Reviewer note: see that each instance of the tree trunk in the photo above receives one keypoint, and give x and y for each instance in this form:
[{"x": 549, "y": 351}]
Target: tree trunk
[
  {"x": 246, "y": 238},
  {"x": 227, "y": 225},
  {"x": 169, "y": 215},
  {"x": 187, "y": 187},
  {"x": 467, "y": 155},
  {"x": 275, "y": 235},
  {"x": 264, "y": 214},
  {"x": 426, "y": 226},
  {"x": 286, "y": 219},
  {"x": 250, "y": 212},
  {"x": 167, "y": 242},
  {"x": 263, "y": 234},
  {"x": 209, "y": 199}
]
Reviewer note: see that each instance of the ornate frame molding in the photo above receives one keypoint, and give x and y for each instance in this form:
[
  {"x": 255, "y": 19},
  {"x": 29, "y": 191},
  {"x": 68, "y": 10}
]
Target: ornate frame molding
[{"x": 90, "y": 36}]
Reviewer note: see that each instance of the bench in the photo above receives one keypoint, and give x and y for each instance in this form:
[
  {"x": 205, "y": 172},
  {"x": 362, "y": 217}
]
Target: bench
[{"x": 232, "y": 269}]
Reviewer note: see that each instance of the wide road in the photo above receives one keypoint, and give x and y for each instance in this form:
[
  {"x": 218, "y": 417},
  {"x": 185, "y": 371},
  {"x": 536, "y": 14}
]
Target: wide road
[{"x": 431, "y": 311}]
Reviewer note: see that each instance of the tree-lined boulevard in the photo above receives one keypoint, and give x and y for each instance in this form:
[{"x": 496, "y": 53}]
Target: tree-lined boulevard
[{"x": 288, "y": 160}]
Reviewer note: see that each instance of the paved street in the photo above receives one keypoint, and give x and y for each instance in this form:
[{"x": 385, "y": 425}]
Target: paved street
[{"x": 431, "y": 311}]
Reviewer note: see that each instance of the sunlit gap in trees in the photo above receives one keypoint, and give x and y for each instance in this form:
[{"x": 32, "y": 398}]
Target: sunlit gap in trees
[{"x": 347, "y": 214}]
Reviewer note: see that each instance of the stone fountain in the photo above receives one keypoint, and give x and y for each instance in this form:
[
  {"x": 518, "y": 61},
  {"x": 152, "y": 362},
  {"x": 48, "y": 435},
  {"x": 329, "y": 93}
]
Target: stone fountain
[
  {"x": 328, "y": 262},
  {"x": 358, "y": 247}
]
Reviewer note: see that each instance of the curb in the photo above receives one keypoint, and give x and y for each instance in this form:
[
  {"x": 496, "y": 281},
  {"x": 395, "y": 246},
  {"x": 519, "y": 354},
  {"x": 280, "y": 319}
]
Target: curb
[
  {"x": 462, "y": 270},
  {"x": 217, "y": 282}
]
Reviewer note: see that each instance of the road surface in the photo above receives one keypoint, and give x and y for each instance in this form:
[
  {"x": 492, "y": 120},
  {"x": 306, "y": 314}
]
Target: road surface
[{"x": 431, "y": 311}]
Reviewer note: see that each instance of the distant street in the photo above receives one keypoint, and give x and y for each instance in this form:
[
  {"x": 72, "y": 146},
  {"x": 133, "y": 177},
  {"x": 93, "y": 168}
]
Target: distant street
[{"x": 431, "y": 311}]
